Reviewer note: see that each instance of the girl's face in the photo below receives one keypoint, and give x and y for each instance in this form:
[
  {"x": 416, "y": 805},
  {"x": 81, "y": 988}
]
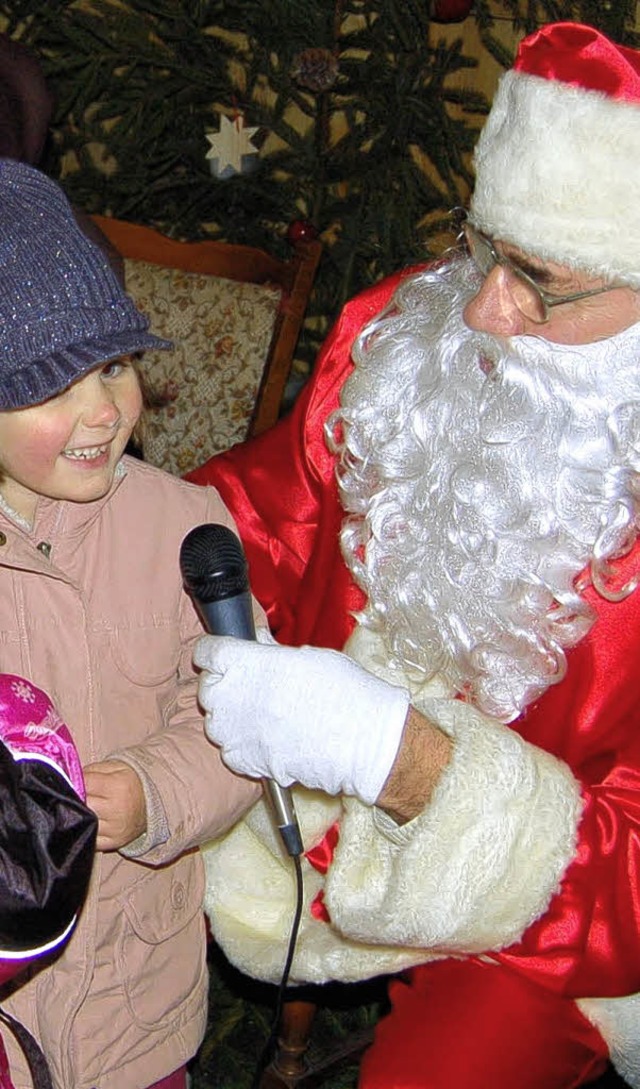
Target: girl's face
[{"x": 69, "y": 446}]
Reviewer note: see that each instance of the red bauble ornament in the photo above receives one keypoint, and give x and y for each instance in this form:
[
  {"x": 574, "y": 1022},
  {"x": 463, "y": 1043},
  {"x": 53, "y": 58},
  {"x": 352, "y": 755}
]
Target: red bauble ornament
[
  {"x": 451, "y": 11},
  {"x": 301, "y": 231}
]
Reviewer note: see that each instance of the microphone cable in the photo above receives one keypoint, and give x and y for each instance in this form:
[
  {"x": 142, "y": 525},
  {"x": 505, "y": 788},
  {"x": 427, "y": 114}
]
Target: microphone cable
[{"x": 272, "y": 1039}]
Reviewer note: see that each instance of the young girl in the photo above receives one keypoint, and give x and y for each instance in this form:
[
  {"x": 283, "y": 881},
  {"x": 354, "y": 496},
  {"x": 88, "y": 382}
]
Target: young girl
[{"x": 92, "y": 610}]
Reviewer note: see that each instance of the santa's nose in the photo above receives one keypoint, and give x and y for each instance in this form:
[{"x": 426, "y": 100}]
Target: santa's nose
[{"x": 493, "y": 309}]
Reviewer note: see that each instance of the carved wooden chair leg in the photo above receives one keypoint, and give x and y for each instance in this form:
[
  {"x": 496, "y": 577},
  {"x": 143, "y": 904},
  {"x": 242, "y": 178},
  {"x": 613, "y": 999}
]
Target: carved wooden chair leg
[
  {"x": 288, "y": 1065},
  {"x": 297, "y": 1065}
]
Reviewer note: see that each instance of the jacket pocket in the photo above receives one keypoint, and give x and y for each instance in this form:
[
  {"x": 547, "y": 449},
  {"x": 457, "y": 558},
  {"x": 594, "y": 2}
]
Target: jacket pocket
[
  {"x": 161, "y": 947},
  {"x": 147, "y": 655}
]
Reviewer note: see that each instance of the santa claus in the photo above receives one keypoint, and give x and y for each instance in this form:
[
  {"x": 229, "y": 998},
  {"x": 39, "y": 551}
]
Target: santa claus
[{"x": 474, "y": 747}]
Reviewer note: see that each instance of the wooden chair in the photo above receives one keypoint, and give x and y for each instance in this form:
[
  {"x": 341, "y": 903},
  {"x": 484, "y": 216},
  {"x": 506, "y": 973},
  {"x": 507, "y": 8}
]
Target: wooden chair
[{"x": 293, "y": 278}]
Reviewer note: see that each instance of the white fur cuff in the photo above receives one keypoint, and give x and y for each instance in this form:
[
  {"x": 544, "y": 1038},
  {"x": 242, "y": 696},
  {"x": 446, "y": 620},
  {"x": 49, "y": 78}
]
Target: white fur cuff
[{"x": 479, "y": 865}]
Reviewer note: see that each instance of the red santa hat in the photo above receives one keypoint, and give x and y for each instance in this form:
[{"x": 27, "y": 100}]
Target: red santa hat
[{"x": 558, "y": 161}]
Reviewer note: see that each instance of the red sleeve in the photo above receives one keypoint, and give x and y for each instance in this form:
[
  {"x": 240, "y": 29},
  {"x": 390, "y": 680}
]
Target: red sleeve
[
  {"x": 588, "y": 942},
  {"x": 282, "y": 492}
]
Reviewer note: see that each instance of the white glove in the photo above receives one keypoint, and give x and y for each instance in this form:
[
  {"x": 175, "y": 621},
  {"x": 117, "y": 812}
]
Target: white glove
[{"x": 298, "y": 714}]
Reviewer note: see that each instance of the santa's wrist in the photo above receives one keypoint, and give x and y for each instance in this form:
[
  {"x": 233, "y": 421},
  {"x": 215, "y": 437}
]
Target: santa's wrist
[
  {"x": 375, "y": 724},
  {"x": 423, "y": 755}
]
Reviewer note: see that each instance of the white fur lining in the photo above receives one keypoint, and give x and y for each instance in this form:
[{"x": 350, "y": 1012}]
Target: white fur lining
[
  {"x": 250, "y": 901},
  {"x": 555, "y": 175},
  {"x": 618, "y": 1020}
]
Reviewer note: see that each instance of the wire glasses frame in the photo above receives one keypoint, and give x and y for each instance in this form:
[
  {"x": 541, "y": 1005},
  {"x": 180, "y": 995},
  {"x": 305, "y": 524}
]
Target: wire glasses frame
[{"x": 531, "y": 299}]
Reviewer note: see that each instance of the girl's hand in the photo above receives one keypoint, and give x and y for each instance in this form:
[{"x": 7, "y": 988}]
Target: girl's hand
[{"x": 115, "y": 794}]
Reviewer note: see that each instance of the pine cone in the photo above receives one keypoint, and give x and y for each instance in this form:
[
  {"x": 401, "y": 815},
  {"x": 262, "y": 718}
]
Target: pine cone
[{"x": 315, "y": 69}]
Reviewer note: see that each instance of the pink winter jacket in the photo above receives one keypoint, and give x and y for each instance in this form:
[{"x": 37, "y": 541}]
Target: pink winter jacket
[{"x": 92, "y": 610}]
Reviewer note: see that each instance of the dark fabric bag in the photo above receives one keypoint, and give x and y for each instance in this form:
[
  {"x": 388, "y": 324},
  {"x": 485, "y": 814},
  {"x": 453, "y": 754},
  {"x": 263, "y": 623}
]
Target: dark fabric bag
[
  {"x": 47, "y": 845},
  {"x": 47, "y": 840}
]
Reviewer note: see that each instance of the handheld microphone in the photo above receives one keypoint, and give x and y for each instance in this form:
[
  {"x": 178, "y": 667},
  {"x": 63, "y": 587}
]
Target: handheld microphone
[{"x": 215, "y": 575}]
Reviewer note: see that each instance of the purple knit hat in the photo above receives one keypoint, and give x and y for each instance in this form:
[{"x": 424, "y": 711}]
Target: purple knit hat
[{"x": 62, "y": 311}]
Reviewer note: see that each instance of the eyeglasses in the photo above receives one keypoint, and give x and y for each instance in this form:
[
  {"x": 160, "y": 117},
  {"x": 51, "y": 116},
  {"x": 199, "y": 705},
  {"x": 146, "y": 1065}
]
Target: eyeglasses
[{"x": 529, "y": 297}]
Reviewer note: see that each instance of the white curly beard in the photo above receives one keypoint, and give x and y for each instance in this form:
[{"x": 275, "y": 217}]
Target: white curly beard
[{"x": 481, "y": 477}]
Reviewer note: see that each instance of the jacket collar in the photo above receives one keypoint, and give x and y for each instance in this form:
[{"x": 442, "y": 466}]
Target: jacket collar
[{"x": 59, "y": 516}]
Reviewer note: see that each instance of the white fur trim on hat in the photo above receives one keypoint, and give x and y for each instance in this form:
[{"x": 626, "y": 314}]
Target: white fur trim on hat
[{"x": 557, "y": 169}]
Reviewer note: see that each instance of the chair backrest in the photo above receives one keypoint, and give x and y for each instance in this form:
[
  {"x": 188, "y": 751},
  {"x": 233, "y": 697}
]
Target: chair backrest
[{"x": 235, "y": 314}]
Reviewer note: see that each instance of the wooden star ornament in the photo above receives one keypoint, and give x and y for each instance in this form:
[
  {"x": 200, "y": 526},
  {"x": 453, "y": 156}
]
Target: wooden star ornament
[{"x": 230, "y": 147}]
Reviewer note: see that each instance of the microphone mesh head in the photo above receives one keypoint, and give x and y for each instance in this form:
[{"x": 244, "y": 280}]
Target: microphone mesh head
[{"x": 213, "y": 563}]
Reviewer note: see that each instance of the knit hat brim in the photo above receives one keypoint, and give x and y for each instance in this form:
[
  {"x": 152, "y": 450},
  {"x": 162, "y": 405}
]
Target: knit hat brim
[
  {"x": 62, "y": 309},
  {"x": 44, "y": 378}
]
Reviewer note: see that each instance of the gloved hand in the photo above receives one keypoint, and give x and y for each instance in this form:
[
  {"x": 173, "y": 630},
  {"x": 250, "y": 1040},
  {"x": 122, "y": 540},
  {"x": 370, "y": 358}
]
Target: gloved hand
[{"x": 298, "y": 714}]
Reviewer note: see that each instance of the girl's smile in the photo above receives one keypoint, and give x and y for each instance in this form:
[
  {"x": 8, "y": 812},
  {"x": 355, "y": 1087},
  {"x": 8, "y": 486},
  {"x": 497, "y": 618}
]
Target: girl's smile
[{"x": 88, "y": 454}]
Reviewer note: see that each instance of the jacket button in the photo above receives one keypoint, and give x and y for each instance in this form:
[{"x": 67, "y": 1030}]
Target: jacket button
[
  {"x": 3, "y": 538},
  {"x": 45, "y": 548}
]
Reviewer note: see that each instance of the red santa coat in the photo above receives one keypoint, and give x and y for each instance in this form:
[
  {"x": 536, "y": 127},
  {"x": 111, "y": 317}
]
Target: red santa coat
[{"x": 282, "y": 492}]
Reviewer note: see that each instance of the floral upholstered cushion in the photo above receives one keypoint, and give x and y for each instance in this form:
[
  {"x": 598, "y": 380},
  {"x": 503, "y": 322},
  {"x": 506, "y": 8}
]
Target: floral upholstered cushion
[{"x": 201, "y": 394}]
